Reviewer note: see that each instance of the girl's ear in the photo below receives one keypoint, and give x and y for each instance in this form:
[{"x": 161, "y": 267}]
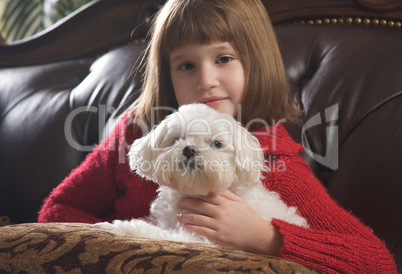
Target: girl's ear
[{"x": 249, "y": 157}]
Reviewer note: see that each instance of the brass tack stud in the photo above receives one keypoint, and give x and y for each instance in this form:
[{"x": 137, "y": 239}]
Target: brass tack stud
[{"x": 348, "y": 20}]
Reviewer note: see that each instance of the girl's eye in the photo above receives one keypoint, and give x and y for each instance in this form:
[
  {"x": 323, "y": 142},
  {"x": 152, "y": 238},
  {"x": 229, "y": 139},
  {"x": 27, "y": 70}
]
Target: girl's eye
[
  {"x": 224, "y": 59},
  {"x": 215, "y": 144},
  {"x": 186, "y": 66}
]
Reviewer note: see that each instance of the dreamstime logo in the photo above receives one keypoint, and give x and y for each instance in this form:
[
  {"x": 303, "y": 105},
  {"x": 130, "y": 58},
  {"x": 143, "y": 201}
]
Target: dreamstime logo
[{"x": 330, "y": 159}]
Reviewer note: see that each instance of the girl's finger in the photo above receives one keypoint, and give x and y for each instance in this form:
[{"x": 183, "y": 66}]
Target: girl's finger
[
  {"x": 196, "y": 220},
  {"x": 212, "y": 198},
  {"x": 197, "y": 205},
  {"x": 229, "y": 195},
  {"x": 202, "y": 231},
  {"x": 195, "y": 202}
]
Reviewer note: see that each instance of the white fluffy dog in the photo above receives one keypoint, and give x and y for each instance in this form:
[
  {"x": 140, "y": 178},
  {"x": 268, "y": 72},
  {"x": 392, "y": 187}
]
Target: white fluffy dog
[{"x": 193, "y": 152}]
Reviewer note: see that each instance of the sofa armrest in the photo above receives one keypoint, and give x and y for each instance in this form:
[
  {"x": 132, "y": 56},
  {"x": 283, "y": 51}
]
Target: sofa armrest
[{"x": 59, "y": 247}]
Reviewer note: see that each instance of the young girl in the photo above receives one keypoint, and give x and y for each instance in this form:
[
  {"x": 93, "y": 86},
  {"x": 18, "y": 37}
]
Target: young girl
[{"x": 222, "y": 53}]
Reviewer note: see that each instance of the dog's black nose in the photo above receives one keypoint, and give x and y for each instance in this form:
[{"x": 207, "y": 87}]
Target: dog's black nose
[{"x": 189, "y": 151}]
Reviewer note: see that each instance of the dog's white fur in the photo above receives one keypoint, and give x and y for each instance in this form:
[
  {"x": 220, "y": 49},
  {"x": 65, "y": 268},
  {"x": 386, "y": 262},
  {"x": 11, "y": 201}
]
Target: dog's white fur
[{"x": 193, "y": 152}]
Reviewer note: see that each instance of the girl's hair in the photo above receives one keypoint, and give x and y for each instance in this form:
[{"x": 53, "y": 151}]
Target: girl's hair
[{"x": 243, "y": 23}]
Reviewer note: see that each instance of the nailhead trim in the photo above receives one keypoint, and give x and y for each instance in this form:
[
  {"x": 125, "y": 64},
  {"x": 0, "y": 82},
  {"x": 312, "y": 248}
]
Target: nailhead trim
[
  {"x": 350, "y": 20},
  {"x": 4, "y": 220},
  {"x": 139, "y": 41}
]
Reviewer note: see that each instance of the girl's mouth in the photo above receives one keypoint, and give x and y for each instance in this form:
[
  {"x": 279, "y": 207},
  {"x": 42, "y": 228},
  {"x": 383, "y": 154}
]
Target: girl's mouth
[{"x": 213, "y": 101}]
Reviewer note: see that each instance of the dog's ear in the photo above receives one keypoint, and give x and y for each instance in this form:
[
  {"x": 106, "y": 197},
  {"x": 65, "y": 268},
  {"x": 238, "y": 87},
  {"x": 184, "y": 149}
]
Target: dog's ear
[
  {"x": 249, "y": 157},
  {"x": 144, "y": 151}
]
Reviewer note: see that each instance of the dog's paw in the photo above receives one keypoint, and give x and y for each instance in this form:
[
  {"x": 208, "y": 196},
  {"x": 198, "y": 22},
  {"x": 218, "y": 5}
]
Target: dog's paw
[
  {"x": 123, "y": 226},
  {"x": 103, "y": 225}
]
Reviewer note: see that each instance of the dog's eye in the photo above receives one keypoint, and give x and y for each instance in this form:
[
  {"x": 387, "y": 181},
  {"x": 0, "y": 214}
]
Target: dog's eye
[{"x": 215, "y": 144}]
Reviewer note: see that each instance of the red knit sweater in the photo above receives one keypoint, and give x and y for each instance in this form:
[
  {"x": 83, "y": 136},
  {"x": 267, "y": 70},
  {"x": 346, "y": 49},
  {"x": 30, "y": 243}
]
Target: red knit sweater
[{"x": 104, "y": 188}]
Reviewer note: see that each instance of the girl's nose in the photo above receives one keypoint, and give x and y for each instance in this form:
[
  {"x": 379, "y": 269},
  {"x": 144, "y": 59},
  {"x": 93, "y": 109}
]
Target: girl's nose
[{"x": 207, "y": 78}]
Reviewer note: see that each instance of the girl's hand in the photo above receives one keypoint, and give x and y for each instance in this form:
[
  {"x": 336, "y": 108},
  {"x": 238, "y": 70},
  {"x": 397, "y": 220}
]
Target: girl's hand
[{"x": 226, "y": 219}]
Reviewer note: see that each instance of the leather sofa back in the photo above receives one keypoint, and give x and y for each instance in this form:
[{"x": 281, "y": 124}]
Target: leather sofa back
[
  {"x": 348, "y": 79},
  {"x": 51, "y": 116}
]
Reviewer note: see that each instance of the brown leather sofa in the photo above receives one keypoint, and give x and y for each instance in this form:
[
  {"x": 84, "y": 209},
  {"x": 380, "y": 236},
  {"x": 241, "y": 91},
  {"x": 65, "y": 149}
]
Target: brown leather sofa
[{"x": 62, "y": 90}]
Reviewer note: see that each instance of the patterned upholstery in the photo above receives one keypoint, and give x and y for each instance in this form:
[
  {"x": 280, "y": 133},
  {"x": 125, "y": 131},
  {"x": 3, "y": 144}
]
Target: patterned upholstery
[{"x": 76, "y": 248}]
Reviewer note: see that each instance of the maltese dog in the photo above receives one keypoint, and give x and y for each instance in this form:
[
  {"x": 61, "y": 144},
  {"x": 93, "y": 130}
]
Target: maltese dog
[{"x": 192, "y": 152}]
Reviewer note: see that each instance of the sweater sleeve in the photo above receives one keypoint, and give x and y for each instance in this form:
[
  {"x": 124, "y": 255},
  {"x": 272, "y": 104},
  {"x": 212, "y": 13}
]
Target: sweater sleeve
[
  {"x": 336, "y": 241},
  {"x": 87, "y": 195}
]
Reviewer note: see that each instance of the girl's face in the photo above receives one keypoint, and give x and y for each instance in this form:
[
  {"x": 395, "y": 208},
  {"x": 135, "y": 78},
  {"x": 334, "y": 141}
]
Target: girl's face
[{"x": 211, "y": 74}]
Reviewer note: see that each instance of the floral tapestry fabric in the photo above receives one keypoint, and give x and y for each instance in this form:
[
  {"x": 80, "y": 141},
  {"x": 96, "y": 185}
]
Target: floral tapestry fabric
[{"x": 78, "y": 248}]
